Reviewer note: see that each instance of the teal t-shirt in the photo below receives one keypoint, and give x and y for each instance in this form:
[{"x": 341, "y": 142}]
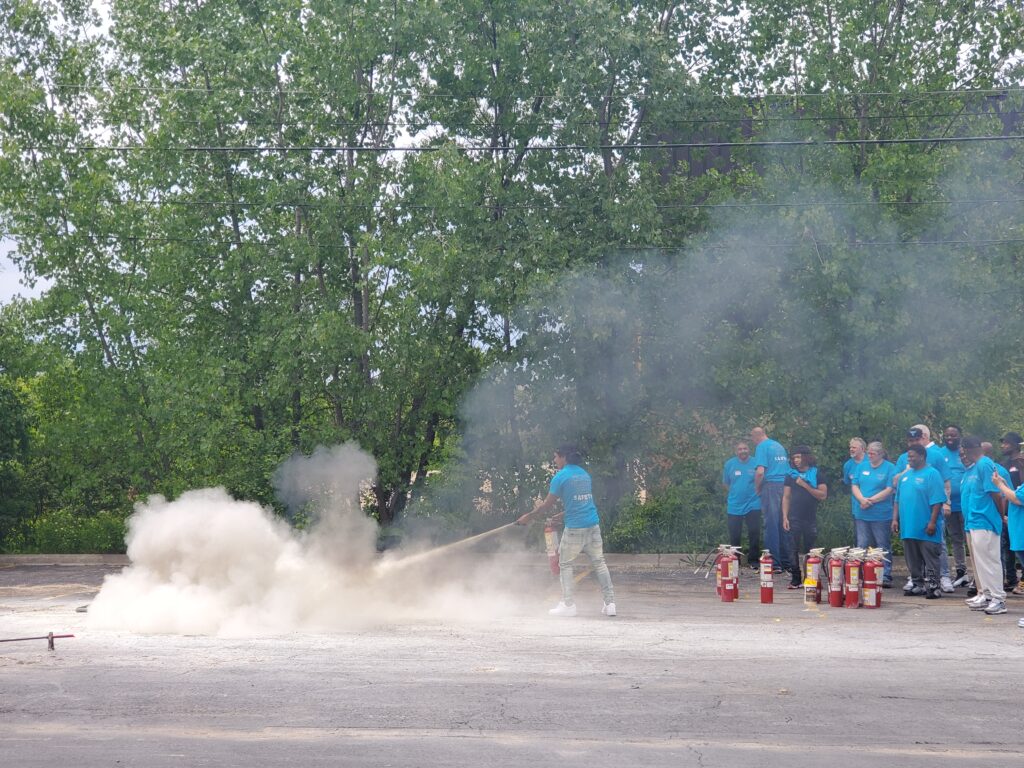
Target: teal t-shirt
[
  {"x": 871, "y": 480},
  {"x": 849, "y": 478},
  {"x": 954, "y": 473},
  {"x": 772, "y": 456},
  {"x": 979, "y": 509},
  {"x": 1015, "y": 522},
  {"x": 572, "y": 485},
  {"x": 916, "y": 492},
  {"x": 739, "y": 476}
]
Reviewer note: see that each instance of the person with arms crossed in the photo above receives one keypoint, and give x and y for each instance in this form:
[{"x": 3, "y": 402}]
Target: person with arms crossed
[{"x": 873, "y": 493}]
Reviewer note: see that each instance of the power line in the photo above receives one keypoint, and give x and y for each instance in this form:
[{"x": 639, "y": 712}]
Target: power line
[
  {"x": 331, "y": 149},
  {"x": 161, "y": 202},
  {"x": 275, "y": 90},
  {"x": 693, "y": 246}
]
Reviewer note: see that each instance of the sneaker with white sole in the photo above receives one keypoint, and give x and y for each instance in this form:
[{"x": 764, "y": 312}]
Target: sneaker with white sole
[
  {"x": 563, "y": 610},
  {"x": 1020, "y": 623},
  {"x": 962, "y": 579},
  {"x": 608, "y": 609},
  {"x": 909, "y": 584},
  {"x": 946, "y": 585},
  {"x": 995, "y": 607},
  {"x": 977, "y": 603}
]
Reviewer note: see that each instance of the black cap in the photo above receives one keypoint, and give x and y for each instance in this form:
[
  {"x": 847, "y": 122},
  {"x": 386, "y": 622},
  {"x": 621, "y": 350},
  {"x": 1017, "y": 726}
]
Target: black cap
[
  {"x": 915, "y": 433},
  {"x": 1013, "y": 438},
  {"x": 970, "y": 442}
]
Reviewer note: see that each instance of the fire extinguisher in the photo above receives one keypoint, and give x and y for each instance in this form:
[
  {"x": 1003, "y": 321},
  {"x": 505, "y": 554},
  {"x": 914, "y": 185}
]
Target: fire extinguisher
[
  {"x": 729, "y": 573},
  {"x": 767, "y": 579},
  {"x": 873, "y": 568},
  {"x": 551, "y": 544},
  {"x": 834, "y": 575},
  {"x": 852, "y": 577},
  {"x": 812, "y": 577}
]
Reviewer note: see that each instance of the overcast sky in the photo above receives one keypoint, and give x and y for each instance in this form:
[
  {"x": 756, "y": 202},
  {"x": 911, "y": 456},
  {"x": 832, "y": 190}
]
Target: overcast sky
[{"x": 10, "y": 275}]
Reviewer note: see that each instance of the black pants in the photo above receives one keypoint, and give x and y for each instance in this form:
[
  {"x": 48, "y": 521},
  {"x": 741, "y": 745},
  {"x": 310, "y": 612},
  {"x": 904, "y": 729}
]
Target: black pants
[
  {"x": 1010, "y": 577},
  {"x": 800, "y": 538},
  {"x": 753, "y": 521}
]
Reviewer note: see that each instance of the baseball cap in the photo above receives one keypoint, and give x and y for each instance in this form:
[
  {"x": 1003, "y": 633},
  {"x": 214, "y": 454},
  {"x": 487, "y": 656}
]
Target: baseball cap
[{"x": 915, "y": 433}]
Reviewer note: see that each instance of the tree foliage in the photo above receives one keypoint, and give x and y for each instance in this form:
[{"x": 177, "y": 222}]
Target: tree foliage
[{"x": 640, "y": 225}]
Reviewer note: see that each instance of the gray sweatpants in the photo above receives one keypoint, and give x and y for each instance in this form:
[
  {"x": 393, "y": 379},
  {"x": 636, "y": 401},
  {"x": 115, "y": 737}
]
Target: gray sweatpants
[{"x": 923, "y": 562}]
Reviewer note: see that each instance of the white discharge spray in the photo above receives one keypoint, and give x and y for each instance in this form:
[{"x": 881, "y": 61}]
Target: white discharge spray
[{"x": 209, "y": 564}]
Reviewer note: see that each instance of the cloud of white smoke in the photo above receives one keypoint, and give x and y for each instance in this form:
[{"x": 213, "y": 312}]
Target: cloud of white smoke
[{"x": 206, "y": 563}]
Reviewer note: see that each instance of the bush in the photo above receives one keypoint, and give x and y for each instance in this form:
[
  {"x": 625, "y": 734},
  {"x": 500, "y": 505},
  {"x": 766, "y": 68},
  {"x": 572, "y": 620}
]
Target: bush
[{"x": 63, "y": 532}]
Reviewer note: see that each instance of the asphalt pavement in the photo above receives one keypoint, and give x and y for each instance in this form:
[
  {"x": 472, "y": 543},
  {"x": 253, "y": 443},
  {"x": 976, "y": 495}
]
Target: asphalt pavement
[{"x": 677, "y": 678}]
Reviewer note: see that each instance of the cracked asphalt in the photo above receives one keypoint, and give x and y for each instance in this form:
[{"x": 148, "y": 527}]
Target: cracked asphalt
[{"x": 677, "y": 679}]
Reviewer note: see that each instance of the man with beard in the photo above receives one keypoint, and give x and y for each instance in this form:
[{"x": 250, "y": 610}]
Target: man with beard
[
  {"x": 743, "y": 503},
  {"x": 954, "y": 516}
]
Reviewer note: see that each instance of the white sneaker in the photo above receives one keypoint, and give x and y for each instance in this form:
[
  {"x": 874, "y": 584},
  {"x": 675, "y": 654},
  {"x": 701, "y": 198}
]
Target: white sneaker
[
  {"x": 909, "y": 584},
  {"x": 962, "y": 581},
  {"x": 946, "y": 585},
  {"x": 1020, "y": 623},
  {"x": 996, "y": 607},
  {"x": 563, "y": 610},
  {"x": 608, "y": 609},
  {"x": 977, "y": 603}
]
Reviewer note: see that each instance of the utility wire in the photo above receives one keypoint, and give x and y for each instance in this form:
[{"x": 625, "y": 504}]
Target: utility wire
[
  {"x": 274, "y": 91},
  {"x": 329, "y": 149},
  {"x": 161, "y": 202},
  {"x": 610, "y": 246}
]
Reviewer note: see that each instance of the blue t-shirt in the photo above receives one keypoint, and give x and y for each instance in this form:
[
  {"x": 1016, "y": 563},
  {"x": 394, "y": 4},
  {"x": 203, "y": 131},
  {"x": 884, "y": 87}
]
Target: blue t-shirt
[
  {"x": 934, "y": 460},
  {"x": 772, "y": 456},
  {"x": 739, "y": 476},
  {"x": 954, "y": 473},
  {"x": 849, "y": 475},
  {"x": 979, "y": 509},
  {"x": 1015, "y": 521},
  {"x": 572, "y": 485},
  {"x": 871, "y": 480},
  {"x": 916, "y": 492}
]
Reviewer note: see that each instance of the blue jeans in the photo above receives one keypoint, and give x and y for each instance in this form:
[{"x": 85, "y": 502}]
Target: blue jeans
[
  {"x": 876, "y": 533},
  {"x": 588, "y": 541},
  {"x": 771, "y": 511}
]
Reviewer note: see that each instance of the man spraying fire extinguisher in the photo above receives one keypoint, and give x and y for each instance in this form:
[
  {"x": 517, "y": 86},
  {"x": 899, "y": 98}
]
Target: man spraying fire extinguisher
[{"x": 582, "y": 535}]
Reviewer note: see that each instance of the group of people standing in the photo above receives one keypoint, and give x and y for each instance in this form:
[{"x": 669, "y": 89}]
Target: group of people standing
[{"x": 931, "y": 494}]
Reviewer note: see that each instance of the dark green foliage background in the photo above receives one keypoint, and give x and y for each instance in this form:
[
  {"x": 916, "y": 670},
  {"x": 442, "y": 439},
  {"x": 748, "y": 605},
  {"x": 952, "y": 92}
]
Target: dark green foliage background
[{"x": 235, "y": 271}]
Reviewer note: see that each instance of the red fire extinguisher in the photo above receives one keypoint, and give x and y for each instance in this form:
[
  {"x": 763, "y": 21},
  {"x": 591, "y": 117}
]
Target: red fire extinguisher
[
  {"x": 812, "y": 577},
  {"x": 834, "y": 574},
  {"x": 551, "y": 544},
  {"x": 852, "y": 578},
  {"x": 767, "y": 579},
  {"x": 729, "y": 572},
  {"x": 872, "y": 583}
]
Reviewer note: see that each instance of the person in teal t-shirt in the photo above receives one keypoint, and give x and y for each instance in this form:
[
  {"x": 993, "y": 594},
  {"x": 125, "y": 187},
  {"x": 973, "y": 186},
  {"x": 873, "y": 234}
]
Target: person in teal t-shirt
[
  {"x": 572, "y": 486},
  {"x": 1014, "y": 517},
  {"x": 743, "y": 505},
  {"x": 872, "y": 516},
  {"x": 917, "y": 518},
  {"x": 983, "y": 521}
]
